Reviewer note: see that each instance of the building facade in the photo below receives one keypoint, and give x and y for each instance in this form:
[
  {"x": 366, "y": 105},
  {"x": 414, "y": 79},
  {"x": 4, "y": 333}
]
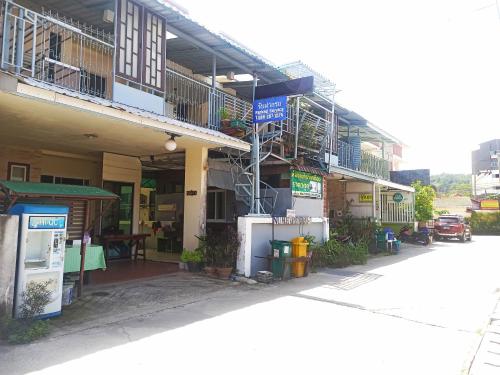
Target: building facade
[
  {"x": 138, "y": 98},
  {"x": 485, "y": 169}
]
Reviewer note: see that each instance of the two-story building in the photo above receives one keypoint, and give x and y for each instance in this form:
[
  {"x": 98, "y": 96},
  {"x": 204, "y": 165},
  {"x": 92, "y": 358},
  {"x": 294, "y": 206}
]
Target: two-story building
[{"x": 138, "y": 98}]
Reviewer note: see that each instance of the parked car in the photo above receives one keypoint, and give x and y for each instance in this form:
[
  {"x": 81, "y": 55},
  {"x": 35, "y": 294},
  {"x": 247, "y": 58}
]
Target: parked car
[{"x": 452, "y": 226}]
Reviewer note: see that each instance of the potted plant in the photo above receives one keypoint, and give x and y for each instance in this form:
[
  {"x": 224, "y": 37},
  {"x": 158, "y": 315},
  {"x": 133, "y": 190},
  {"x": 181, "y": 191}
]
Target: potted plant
[
  {"x": 225, "y": 118},
  {"x": 193, "y": 259},
  {"x": 227, "y": 250},
  {"x": 208, "y": 248}
]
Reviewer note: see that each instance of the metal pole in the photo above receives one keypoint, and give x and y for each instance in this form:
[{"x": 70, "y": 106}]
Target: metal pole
[
  {"x": 212, "y": 115},
  {"x": 297, "y": 124},
  {"x": 6, "y": 36},
  {"x": 83, "y": 249},
  {"x": 19, "y": 42},
  {"x": 256, "y": 157},
  {"x": 374, "y": 203}
]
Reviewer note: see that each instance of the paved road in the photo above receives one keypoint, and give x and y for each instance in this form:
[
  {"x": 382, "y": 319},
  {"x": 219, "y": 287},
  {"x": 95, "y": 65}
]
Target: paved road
[{"x": 421, "y": 312}]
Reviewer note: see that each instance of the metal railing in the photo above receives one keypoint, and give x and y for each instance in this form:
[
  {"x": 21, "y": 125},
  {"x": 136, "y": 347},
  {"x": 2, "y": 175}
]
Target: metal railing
[
  {"x": 362, "y": 161},
  {"x": 199, "y": 104},
  {"x": 45, "y": 48}
]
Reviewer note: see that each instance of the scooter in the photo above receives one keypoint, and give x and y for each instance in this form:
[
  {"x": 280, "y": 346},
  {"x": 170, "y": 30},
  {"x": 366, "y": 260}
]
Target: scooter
[{"x": 422, "y": 237}]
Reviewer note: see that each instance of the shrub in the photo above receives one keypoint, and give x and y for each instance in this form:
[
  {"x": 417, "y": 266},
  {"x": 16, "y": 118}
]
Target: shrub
[
  {"x": 195, "y": 256},
  {"x": 485, "y": 223},
  {"x": 336, "y": 254}
]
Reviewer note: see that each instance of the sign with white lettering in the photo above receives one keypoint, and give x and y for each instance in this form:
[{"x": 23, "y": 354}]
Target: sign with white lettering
[
  {"x": 47, "y": 222},
  {"x": 269, "y": 109}
]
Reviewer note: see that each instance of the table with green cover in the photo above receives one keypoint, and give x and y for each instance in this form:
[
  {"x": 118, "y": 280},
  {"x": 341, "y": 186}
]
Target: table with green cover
[{"x": 94, "y": 258}]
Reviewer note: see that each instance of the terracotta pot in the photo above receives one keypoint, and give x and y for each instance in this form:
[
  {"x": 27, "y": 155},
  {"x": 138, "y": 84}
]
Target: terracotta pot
[
  {"x": 224, "y": 272},
  {"x": 225, "y": 123},
  {"x": 210, "y": 271}
]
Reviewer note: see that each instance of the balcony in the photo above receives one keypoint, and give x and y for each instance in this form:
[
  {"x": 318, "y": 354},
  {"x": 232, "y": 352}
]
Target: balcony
[
  {"x": 355, "y": 159},
  {"x": 70, "y": 55}
]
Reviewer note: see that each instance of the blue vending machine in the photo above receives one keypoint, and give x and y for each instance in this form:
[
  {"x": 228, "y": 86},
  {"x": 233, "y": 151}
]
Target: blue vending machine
[{"x": 40, "y": 252}]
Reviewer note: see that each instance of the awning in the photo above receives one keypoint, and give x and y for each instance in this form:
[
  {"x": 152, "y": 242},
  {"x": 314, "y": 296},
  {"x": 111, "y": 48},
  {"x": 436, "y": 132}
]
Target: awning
[{"x": 18, "y": 189}]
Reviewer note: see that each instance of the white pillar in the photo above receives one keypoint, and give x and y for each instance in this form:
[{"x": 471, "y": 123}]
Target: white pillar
[{"x": 195, "y": 195}]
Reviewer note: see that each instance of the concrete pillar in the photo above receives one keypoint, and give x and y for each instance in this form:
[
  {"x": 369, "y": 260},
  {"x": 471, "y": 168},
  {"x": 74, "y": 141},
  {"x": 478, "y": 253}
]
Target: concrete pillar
[{"x": 195, "y": 195}]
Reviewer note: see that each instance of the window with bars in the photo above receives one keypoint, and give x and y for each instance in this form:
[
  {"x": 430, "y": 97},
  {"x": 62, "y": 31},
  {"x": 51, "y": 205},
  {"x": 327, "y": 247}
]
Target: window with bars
[
  {"x": 154, "y": 36},
  {"x": 141, "y": 45},
  {"x": 129, "y": 37}
]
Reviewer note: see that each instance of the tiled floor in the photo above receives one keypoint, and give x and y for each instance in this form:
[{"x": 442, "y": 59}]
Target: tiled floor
[{"x": 122, "y": 270}]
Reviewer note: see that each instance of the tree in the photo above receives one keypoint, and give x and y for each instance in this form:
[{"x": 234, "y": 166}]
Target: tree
[{"x": 424, "y": 201}]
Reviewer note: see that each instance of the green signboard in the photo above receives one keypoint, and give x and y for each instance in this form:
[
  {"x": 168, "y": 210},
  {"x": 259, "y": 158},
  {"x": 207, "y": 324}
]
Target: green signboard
[
  {"x": 397, "y": 197},
  {"x": 305, "y": 184}
]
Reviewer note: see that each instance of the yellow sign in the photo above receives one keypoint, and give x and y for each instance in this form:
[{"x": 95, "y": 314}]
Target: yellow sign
[
  {"x": 490, "y": 204},
  {"x": 365, "y": 198}
]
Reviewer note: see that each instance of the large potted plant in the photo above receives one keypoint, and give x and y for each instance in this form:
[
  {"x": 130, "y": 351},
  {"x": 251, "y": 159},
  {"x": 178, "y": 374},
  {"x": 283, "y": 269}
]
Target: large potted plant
[
  {"x": 208, "y": 246},
  {"x": 193, "y": 259},
  {"x": 222, "y": 249}
]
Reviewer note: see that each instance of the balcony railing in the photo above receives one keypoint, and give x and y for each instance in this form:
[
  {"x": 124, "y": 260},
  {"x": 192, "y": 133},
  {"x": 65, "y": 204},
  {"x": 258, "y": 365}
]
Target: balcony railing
[
  {"x": 355, "y": 159},
  {"x": 45, "y": 48},
  {"x": 199, "y": 104}
]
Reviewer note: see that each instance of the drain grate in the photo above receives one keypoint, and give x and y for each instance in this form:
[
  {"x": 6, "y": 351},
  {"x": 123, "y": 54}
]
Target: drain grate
[{"x": 350, "y": 280}]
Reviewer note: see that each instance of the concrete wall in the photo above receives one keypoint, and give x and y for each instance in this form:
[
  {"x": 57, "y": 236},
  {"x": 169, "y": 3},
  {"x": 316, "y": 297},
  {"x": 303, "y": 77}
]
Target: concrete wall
[
  {"x": 303, "y": 206},
  {"x": 256, "y": 232},
  {"x": 9, "y": 226},
  {"x": 22, "y": 156},
  {"x": 353, "y": 190},
  {"x": 71, "y": 166}
]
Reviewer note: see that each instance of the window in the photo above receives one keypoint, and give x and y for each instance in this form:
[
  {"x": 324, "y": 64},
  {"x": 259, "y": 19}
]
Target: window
[
  {"x": 154, "y": 35},
  {"x": 64, "y": 180},
  {"x": 140, "y": 45},
  {"x": 19, "y": 172},
  {"x": 129, "y": 36},
  {"x": 216, "y": 205}
]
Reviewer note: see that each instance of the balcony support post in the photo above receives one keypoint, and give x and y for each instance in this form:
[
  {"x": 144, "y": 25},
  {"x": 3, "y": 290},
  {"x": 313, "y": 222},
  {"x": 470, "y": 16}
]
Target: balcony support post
[
  {"x": 256, "y": 157},
  {"x": 6, "y": 36},
  {"x": 297, "y": 125},
  {"x": 19, "y": 42}
]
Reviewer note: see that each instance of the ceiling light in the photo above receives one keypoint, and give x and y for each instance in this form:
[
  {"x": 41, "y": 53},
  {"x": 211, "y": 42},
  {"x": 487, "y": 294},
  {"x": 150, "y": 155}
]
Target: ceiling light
[
  {"x": 343, "y": 179},
  {"x": 90, "y": 136},
  {"x": 171, "y": 144}
]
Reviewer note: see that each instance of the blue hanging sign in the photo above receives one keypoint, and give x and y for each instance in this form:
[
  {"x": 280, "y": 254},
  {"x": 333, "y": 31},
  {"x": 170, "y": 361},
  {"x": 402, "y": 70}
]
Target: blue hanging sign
[
  {"x": 269, "y": 109},
  {"x": 47, "y": 222}
]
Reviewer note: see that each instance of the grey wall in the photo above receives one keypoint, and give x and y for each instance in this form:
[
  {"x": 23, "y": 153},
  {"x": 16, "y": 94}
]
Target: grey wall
[
  {"x": 262, "y": 234},
  {"x": 302, "y": 206},
  {"x": 138, "y": 99},
  {"x": 9, "y": 226},
  {"x": 407, "y": 177}
]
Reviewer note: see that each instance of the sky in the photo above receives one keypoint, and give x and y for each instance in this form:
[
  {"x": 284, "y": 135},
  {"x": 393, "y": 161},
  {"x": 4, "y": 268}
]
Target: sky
[{"x": 427, "y": 71}]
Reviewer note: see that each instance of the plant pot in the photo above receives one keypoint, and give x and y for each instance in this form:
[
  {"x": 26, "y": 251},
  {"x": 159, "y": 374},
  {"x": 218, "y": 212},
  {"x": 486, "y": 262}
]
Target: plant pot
[
  {"x": 210, "y": 271},
  {"x": 224, "y": 272},
  {"x": 194, "y": 266},
  {"x": 225, "y": 123}
]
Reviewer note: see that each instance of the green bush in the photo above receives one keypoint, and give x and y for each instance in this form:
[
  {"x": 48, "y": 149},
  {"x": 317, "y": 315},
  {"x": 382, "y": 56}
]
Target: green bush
[
  {"x": 336, "y": 254},
  {"x": 195, "y": 256},
  {"x": 485, "y": 223}
]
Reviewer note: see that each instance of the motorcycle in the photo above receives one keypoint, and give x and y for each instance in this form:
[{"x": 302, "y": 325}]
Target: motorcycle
[{"x": 422, "y": 237}]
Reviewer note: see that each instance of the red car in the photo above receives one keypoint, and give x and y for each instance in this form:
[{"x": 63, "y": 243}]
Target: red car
[{"x": 452, "y": 226}]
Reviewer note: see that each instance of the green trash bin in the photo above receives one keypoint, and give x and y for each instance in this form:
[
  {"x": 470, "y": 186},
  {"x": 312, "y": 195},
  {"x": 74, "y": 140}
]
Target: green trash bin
[{"x": 279, "y": 251}]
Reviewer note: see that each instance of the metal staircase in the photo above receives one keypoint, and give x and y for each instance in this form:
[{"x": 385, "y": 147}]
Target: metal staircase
[{"x": 242, "y": 169}]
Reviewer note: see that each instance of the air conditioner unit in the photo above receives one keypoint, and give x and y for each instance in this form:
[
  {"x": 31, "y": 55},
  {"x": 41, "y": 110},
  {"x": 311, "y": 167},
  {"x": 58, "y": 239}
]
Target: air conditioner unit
[{"x": 108, "y": 16}]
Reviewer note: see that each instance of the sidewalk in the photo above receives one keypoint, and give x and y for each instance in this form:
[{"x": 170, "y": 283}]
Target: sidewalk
[{"x": 487, "y": 358}]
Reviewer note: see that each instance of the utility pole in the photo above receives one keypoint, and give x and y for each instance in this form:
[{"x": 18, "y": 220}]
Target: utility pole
[{"x": 256, "y": 158}]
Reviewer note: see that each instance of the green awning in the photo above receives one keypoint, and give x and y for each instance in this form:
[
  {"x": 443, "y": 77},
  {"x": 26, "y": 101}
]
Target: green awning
[{"x": 40, "y": 189}]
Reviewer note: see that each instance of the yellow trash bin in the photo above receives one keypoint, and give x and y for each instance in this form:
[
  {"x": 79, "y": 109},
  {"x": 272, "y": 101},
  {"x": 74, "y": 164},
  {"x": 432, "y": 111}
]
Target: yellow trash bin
[{"x": 299, "y": 249}]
